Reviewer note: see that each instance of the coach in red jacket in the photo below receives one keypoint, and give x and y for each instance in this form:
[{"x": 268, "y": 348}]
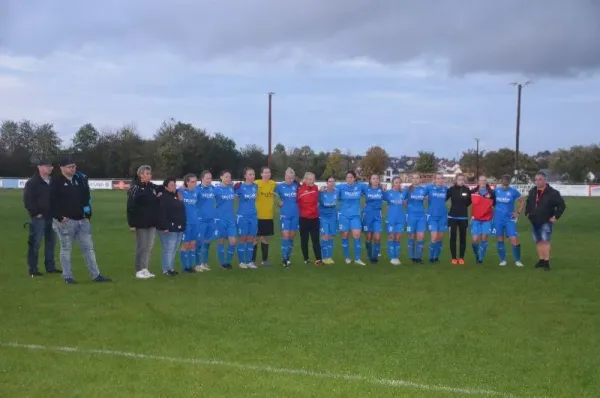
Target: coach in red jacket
[{"x": 308, "y": 204}]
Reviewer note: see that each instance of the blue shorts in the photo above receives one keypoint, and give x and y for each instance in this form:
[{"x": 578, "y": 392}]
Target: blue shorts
[
  {"x": 395, "y": 226},
  {"x": 225, "y": 229},
  {"x": 289, "y": 223},
  {"x": 481, "y": 227},
  {"x": 437, "y": 224},
  {"x": 542, "y": 232},
  {"x": 505, "y": 227},
  {"x": 371, "y": 222},
  {"x": 328, "y": 225},
  {"x": 247, "y": 225},
  {"x": 416, "y": 224},
  {"x": 349, "y": 223},
  {"x": 206, "y": 230},
  {"x": 190, "y": 234}
]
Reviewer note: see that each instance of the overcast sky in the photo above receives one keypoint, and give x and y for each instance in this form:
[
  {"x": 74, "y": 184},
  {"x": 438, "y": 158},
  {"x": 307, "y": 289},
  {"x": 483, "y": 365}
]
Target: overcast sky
[{"x": 407, "y": 75}]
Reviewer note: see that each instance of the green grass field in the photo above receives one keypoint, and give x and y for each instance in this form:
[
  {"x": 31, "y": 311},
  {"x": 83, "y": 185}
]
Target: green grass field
[{"x": 337, "y": 331}]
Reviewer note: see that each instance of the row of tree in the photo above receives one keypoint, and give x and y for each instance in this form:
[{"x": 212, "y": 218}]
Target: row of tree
[{"x": 178, "y": 148}]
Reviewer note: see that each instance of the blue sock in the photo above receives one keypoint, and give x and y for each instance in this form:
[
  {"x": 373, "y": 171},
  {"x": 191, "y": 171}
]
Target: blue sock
[
  {"x": 483, "y": 249},
  {"x": 198, "y": 253},
  {"x": 221, "y": 253},
  {"x": 241, "y": 249},
  {"x": 357, "y": 249},
  {"x": 249, "y": 251},
  {"x": 411, "y": 248},
  {"x": 290, "y": 246},
  {"x": 517, "y": 252},
  {"x": 369, "y": 248},
  {"x": 432, "y": 246},
  {"x": 438, "y": 249},
  {"x": 391, "y": 249},
  {"x": 376, "y": 250},
  {"x": 324, "y": 249},
  {"x": 501, "y": 250},
  {"x": 397, "y": 249},
  {"x": 183, "y": 255},
  {"x": 420, "y": 246},
  {"x": 230, "y": 253},
  {"x": 475, "y": 247},
  {"x": 192, "y": 259},
  {"x": 284, "y": 243},
  {"x": 330, "y": 247},
  {"x": 205, "y": 251},
  {"x": 346, "y": 248}
]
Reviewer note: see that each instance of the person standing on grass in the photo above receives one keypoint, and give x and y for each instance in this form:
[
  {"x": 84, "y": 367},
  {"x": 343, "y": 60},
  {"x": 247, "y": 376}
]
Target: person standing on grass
[
  {"x": 71, "y": 212},
  {"x": 170, "y": 225},
  {"x": 36, "y": 198},
  {"x": 416, "y": 219},
  {"x": 372, "y": 217},
  {"x": 437, "y": 216},
  {"x": 328, "y": 198},
  {"x": 142, "y": 215},
  {"x": 225, "y": 219},
  {"x": 505, "y": 219},
  {"x": 458, "y": 216},
  {"x": 189, "y": 195},
  {"x": 246, "y": 218},
  {"x": 308, "y": 205},
  {"x": 265, "y": 199},
  {"x": 545, "y": 205},
  {"x": 288, "y": 214},
  {"x": 395, "y": 220},
  {"x": 350, "y": 195},
  {"x": 206, "y": 220},
  {"x": 483, "y": 200}
]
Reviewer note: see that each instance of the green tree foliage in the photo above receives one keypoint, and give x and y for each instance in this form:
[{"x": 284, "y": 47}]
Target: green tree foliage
[
  {"x": 426, "y": 162},
  {"x": 575, "y": 163},
  {"x": 375, "y": 161},
  {"x": 336, "y": 165}
]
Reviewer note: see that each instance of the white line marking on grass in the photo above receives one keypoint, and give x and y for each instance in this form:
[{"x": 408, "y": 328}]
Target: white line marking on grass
[{"x": 264, "y": 369}]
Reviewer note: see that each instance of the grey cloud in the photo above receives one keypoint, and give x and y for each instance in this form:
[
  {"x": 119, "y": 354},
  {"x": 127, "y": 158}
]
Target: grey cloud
[{"x": 531, "y": 37}]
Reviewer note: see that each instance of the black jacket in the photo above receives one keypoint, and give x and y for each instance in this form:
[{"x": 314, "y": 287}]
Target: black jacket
[
  {"x": 172, "y": 213},
  {"x": 143, "y": 204},
  {"x": 460, "y": 200},
  {"x": 70, "y": 198},
  {"x": 550, "y": 204},
  {"x": 36, "y": 196}
]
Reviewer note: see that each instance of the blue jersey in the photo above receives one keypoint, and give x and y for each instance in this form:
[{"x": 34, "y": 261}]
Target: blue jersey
[
  {"x": 415, "y": 199},
  {"x": 224, "y": 196},
  {"x": 287, "y": 194},
  {"x": 328, "y": 203},
  {"x": 349, "y": 196},
  {"x": 206, "y": 202},
  {"x": 436, "y": 201},
  {"x": 373, "y": 199},
  {"x": 505, "y": 202},
  {"x": 190, "y": 202},
  {"x": 395, "y": 201},
  {"x": 247, "y": 199}
]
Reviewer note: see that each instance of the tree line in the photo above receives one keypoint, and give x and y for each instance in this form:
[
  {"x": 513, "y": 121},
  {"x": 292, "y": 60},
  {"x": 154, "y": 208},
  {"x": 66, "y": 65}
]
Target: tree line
[{"x": 177, "y": 148}]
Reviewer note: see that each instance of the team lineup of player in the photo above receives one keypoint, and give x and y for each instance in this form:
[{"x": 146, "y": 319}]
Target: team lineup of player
[{"x": 212, "y": 215}]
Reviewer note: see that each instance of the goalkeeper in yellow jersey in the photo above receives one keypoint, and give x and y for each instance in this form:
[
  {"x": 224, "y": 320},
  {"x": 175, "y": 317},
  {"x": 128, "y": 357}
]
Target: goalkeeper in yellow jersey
[{"x": 264, "y": 208}]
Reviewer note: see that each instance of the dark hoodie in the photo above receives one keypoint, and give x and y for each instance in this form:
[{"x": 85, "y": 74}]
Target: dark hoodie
[
  {"x": 172, "y": 213},
  {"x": 143, "y": 204}
]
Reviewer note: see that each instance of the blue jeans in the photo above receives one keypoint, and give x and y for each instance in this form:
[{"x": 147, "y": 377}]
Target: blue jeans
[
  {"x": 169, "y": 241},
  {"x": 41, "y": 228},
  {"x": 80, "y": 231}
]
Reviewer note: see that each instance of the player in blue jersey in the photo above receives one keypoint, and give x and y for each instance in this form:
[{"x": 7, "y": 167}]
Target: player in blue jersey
[
  {"x": 225, "y": 219},
  {"x": 416, "y": 219},
  {"x": 505, "y": 219},
  {"x": 288, "y": 214},
  {"x": 349, "y": 195},
  {"x": 206, "y": 220},
  {"x": 395, "y": 220},
  {"x": 189, "y": 196},
  {"x": 371, "y": 217},
  {"x": 246, "y": 218},
  {"x": 328, "y": 197},
  {"x": 437, "y": 216}
]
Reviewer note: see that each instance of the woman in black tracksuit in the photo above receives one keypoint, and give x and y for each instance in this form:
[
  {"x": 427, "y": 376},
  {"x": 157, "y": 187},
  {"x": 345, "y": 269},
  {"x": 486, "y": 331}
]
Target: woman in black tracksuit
[{"x": 458, "y": 216}]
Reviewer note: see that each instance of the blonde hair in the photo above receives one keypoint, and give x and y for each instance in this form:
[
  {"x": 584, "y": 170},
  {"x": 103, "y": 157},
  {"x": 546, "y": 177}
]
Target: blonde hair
[
  {"x": 309, "y": 174},
  {"x": 290, "y": 171}
]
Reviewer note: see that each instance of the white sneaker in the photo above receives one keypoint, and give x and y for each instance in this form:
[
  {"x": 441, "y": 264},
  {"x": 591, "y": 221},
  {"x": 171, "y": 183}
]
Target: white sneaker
[
  {"x": 243, "y": 266},
  {"x": 502, "y": 264},
  {"x": 348, "y": 261},
  {"x": 519, "y": 264},
  {"x": 198, "y": 268},
  {"x": 395, "y": 261},
  {"x": 141, "y": 275},
  {"x": 205, "y": 267},
  {"x": 359, "y": 262},
  {"x": 148, "y": 273},
  {"x": 252, "y": 266}
]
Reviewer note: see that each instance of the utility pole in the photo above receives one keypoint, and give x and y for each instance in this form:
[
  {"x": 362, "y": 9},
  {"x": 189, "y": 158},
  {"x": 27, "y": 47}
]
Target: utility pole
[
  {"x": 518, "y": 128},
  {"x": 270, "y": 158},
  {"x": 477, "y": 159}
]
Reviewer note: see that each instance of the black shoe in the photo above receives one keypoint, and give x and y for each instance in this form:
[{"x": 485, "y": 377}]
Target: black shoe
[
  {"x": 414, "y": 260},
  {"x": 307, "y": 262},
  {"x": 436, "y": 260},
  {"x": 431, "y": 260},
  {"x": 546, "y": 265},
  {"x": 226, "y": 266},
  {"x": 101, "y": 278},
  {"x": 35, "y": 274},
  {"x": 374, "y": 260},
  {"x": 539, "y": 264},
  {"x": 70, "y": 281},
  {"x": 170, "y": 273},
  {"x": 189, "y": 271},
  {"x": 54, "y": 271}
]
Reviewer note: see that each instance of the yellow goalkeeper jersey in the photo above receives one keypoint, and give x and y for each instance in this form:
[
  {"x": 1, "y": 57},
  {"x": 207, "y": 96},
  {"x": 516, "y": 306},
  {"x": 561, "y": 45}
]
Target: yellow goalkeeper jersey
[{"x": 264, "y": 199}]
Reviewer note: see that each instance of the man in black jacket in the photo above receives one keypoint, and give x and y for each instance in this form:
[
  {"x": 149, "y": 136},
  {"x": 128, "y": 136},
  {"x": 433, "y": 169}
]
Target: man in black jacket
[
  {"x": 458, "y": 216},
  {"x": 71, "y": 210},
  {"x": 544, "y": 206},
  {"x": 36, "y": 198}
]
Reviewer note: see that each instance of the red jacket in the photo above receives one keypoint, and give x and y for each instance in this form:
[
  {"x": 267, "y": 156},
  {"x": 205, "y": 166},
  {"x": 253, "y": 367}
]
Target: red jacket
[
  {"x": 308, "y": 201},
  {"x": 482, "y": 207}
]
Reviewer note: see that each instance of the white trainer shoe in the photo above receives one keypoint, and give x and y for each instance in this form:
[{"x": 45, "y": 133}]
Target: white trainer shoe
[
  {"x": 395, "y": 261},
  {"x": 519, "y": 264},
  {"x": 243, "y": 266},
  {"x": 502, "y": 264},
  {"x": 348, "y": 261},
  {"x": 142, "y": 275},
  {"x": 252, "y": 266},
  {"x": 148, "y": 273},
  {"x": 359, "y": 262},
  {"x": 205, "y": 267}
]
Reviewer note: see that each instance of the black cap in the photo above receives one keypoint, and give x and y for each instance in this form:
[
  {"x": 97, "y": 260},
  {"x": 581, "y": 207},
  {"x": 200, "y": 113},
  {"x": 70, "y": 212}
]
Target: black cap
[
  {"x": 44, "y": 162},
  {"x": 65, "y": 161}
]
